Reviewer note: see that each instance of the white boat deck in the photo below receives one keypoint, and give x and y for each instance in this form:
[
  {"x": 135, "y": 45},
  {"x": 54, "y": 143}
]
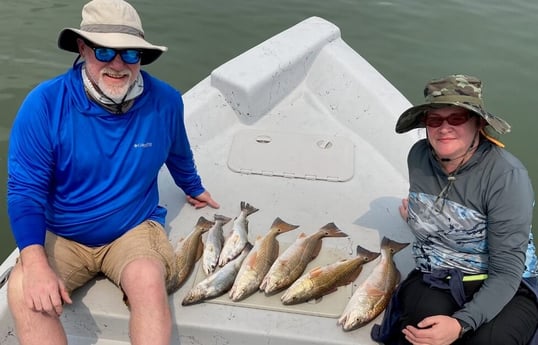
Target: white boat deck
[{"x": 302, "y": 128}]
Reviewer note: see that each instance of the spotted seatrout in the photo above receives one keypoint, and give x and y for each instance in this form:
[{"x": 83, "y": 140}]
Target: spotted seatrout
[
  {"x": 188, "y": 251},
  {"x": 213, "y": 244},
  {"x": 218, "y": 283},
  {"x": 293, "y": 261},
  {"x": 258, "y": 261},
  {"x": 323, "y": 280},
  {"x": 236, "y": 241},
  {"x": 373, "y": 295}
]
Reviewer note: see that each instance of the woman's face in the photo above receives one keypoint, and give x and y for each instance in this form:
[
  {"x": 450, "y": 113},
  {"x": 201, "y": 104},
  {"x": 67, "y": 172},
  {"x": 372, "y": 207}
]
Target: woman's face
[{"x": 451, "y": 139}]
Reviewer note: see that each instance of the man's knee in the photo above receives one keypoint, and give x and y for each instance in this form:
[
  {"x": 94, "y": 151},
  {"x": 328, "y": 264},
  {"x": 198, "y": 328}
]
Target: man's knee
[
  {"x": 15, "y": 295},
  {"x": 143, "y": 275}
]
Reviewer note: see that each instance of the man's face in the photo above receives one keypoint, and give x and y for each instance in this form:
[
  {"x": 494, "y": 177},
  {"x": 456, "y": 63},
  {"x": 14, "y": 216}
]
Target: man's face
[{"x": 113, "y": 78}]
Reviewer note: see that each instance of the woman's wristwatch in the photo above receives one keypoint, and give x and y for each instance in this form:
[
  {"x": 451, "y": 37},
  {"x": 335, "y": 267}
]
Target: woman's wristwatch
[{"x": 465, "y": 327}]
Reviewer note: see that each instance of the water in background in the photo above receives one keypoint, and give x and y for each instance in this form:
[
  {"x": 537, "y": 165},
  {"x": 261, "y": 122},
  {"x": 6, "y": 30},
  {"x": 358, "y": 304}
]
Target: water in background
[{"x": 409, "y": 42}]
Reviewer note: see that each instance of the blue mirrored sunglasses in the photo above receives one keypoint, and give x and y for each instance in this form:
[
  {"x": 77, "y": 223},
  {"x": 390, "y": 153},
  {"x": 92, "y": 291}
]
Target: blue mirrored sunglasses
[{"x": 129, "y": 56}]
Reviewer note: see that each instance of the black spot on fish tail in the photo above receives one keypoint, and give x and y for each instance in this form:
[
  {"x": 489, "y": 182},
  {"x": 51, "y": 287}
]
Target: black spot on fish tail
[
  {"x": 368, "y": 255},
  {"x": 282, "y": 226},
  {"x": 394, "y": 246},
  {"x": 331, "y": 230}
]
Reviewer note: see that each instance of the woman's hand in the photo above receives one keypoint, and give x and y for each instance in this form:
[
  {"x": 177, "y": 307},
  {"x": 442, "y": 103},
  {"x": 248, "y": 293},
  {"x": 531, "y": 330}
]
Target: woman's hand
[
  {"x": 433, "y": 330},
  {"x": 403, "y": 209}
]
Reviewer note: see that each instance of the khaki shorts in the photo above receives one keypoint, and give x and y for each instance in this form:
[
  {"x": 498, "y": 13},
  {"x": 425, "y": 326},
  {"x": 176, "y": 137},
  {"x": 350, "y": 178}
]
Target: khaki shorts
[{"x": 77, "y": 264}]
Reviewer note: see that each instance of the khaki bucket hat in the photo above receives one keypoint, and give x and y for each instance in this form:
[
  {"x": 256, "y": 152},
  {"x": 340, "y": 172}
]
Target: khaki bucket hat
[
  {"x": 111, "y": 24},
  {"x": 460, "y": 90}
]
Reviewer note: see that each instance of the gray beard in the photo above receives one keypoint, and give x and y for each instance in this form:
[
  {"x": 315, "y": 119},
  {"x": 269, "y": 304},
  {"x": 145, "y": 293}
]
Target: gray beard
[{"x": 93, "y": 90}]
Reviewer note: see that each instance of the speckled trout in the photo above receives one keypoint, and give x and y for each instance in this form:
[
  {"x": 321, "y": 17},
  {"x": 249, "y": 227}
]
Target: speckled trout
[
  {"x": 373, "y": 295},
  {"x": 238, "y": 238},
  {"x": 213, "y": 244},
  {"x": 258, "y": 261},
  {"x": 293, "y": 261},
  {"x": 188, "y": 251},
  {"x": 218, "y": 283},
  {"x": 324, "y": 280}
]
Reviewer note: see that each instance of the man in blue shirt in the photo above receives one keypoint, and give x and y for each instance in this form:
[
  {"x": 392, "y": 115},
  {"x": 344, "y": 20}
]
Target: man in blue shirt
[{"x": 85, "y": 151}]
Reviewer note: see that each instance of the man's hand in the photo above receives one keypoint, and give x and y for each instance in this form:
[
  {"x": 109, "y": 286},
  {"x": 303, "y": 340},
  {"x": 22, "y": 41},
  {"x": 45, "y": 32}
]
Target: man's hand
[
  {"x": 433, "y": 330},
  {"x": 43, "y": 290},
  {"x": 202, "y": 200}
]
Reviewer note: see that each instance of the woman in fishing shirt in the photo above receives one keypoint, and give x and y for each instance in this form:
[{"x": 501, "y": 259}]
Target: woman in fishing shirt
[{"x": 470, "y": 209}]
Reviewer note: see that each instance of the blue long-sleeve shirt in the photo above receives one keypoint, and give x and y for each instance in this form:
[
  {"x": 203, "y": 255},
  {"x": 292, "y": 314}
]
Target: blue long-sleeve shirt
[{"x": 86, "y": 174}]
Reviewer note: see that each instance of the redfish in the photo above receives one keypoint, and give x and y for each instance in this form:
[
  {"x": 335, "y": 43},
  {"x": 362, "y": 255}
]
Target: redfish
[
  {"x": 324, "y": 280},
  {"x": 373, "y": 295},
  {"x": 293, "y": 261},
  {"x": 188, "y": 251},
  {"x": 258, "y": 261}
]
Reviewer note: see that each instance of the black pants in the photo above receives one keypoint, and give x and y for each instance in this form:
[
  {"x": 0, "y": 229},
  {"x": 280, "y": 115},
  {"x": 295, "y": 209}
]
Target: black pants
[{"x": 515, "y": 324}]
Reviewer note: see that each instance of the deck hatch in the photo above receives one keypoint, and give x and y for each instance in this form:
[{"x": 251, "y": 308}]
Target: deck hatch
[{"x": 292, "y": 155}]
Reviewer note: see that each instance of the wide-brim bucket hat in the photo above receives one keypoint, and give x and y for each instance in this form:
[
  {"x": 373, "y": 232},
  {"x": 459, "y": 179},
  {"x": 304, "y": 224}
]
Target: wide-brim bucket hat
[
  {"x": 111, "y": 24},
  {"x": 457, "y": 89}
]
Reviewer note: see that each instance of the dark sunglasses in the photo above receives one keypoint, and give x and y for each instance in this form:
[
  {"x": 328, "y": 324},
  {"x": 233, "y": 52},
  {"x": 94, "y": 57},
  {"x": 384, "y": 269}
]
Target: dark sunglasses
[
  {"x": 129, "y": 56},
  {"x": 435, "y": 121}
]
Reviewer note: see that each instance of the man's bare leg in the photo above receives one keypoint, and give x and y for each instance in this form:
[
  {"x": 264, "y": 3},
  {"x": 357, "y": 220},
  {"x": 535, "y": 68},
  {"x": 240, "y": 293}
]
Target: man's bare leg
[
  {"x": 32, "y": 327},
  {"x": 143, "y": 281}
]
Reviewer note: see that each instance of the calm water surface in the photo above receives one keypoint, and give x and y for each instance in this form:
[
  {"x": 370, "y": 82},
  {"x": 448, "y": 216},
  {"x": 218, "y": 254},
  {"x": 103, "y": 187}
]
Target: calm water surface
[{"x": 408, "y": 41}]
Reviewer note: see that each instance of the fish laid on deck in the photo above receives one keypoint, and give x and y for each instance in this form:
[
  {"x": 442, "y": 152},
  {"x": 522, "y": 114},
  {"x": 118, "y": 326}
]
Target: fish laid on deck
[
  {"x": 213, "y": 244},
  {"x": 218, "y": 283},
  {"x": 236, "y": 241},
  {"x": 373, "y": 295},
  {"x": 323, "y": 280},
  {"x": 289, "y": 266},
  {"x": 188, "y": 251},
  {"x": 259, "y": 261}
]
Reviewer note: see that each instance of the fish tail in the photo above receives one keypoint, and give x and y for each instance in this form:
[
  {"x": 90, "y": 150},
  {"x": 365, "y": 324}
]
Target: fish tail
[
  {"x": 394, "y": 246},
  {"x": 283, "y": 226},
  {"x": 204, "y": 224},
  {"x": 331, "y": 230},
  {"x": 222, "y": 219},
  {"x": 248, "y": 208},
  {"x": 368, "y": 255}
]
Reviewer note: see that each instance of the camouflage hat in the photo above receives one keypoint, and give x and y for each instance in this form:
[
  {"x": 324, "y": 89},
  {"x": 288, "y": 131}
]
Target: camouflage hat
[{"x": 460, "y": 90}]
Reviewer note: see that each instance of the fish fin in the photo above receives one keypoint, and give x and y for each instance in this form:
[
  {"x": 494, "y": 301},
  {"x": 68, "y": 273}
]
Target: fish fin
[
  {"x": 222, "y": 219},
  {"x": 316, "y": 300},
  {"x": 331, "y": 230},
  {"x": 282, "y": 226},
  {"x": 275, "y": 251},
  {"x": 394, "y": 246},
  {"x": 200, "y": 251},
  {"x": 248, "y": 208},
  {"x": 317, "y": 250},
  {"x": 251, "y": 259},
  {"x": 248, "y": 246},
  {"x": 316, "y": 271},
  {"x": 353, "y": 276},
  {"x": 368, "y": 255}
]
